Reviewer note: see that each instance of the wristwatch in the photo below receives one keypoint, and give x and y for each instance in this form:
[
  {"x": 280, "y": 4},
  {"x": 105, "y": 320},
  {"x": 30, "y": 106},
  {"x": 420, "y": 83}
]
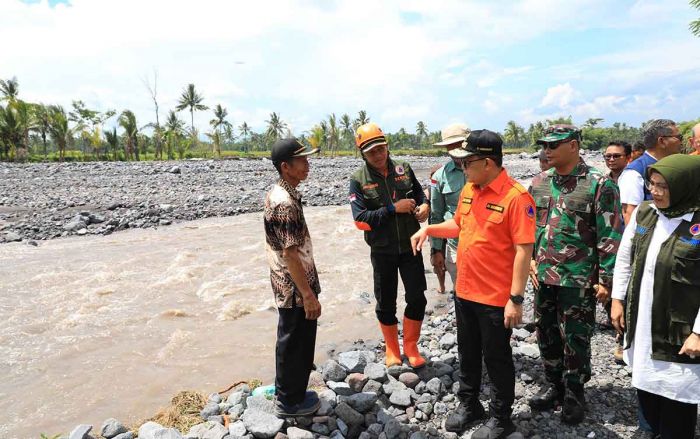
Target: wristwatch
[{"x": 517, "y": 299}]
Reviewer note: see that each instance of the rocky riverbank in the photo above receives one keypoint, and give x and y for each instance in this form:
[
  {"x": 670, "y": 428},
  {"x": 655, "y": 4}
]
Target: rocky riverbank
[
  {"x": 51, "y": 200},
  {"x": 361, "y": 398}
]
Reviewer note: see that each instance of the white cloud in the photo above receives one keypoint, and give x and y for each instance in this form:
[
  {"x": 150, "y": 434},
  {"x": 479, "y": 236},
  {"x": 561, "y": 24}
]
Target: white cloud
[{"x": 560, "y": 95}]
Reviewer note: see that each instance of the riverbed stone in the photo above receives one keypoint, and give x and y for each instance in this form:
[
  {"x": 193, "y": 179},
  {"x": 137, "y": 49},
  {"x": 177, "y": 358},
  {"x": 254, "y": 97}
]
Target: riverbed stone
[
  {"x": 333, "y": 371},
  {"x": 111, "y": 427},
  {"x": 237, "y": 429},
  {"x": 353, "y": 361},
  {"x": 362, "y": 402},
  {"x": 376, "y": 372},
  {"x": 260, "y": 423},
  {"x": 298, "y": 433},
  {"x": 81, "y": 431},
  {"x": 409, "y": 379},
  {"x": 349, "y": 415},
  {"x": 149, "y": 430}
]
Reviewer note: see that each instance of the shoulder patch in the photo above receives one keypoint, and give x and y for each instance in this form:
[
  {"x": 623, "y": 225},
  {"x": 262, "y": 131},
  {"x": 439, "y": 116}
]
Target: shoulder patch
[
  {"x": 695, "y": 229},
  {"x": 530, "y": 211}
]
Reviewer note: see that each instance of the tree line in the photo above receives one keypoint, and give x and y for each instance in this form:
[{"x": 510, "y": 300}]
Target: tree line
[{"x": 35, "y": 131}]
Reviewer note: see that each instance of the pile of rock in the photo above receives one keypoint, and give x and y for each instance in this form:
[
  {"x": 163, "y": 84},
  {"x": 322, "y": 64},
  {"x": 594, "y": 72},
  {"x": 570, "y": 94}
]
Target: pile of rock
[{"x": 361, "y": 398}]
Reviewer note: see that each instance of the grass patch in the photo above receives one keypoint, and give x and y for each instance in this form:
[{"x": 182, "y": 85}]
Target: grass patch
[{"x": 183, "y": 411}]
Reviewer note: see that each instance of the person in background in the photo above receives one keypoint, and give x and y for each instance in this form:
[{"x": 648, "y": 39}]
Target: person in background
[
  {"x": 694, "y": 141},
  {"x": 544, "y": 163},
  {"x": 637, "y": 150},
  {"x": 438, "y": 269},
  {"x": 657, "y": 273},
  {"x": 445, "y": 187},
  {"x": 617, "y": 156},
  {"x": 661, "y": 139},
  {"x": 294, "y": 280},
  {"x": 387, "y": 203}
]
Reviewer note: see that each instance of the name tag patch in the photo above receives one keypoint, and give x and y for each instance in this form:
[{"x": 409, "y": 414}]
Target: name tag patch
[
  {"x": 466, "y": 200},
  {"x": 370, "y": 186},
  {"x": 496, "y": 208},
  {"x": 401, "y": 178}
]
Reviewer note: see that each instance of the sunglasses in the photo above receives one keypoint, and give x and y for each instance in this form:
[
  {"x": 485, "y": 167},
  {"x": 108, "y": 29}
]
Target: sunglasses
[
  {"x": 612, "y": 156},
  {"x": 466, "y": 162},
  {"x": 555, "y": 145}
]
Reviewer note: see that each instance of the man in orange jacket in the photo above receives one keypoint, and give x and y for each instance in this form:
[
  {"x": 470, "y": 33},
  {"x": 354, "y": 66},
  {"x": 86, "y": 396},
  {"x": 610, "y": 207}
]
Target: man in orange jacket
[{"x": 495, "y": 223}]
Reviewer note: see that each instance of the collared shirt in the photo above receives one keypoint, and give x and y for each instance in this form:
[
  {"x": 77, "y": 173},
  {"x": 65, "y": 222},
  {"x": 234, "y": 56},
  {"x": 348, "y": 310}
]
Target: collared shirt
[
  {"x": 285, "y": 227},
  {"x": 680, "y": 382},
  {"x": 445, "y": 187},
  {"x": 492, "y": 220},
  {"x": 631, "y": 184},
  {"x": 579, "y": 227}
]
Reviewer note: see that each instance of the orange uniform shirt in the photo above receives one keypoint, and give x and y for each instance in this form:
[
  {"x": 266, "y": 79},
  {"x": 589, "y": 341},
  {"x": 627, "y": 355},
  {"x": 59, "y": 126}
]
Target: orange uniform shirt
[{"x": 492, "y": 220}]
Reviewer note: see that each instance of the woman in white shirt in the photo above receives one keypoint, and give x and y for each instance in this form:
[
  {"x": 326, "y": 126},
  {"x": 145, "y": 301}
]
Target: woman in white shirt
[{"x": 658, "y": 274}]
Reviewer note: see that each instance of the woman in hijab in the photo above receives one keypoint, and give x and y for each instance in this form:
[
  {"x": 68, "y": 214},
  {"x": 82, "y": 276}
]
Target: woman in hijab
[{"x": 658, "y": 272}]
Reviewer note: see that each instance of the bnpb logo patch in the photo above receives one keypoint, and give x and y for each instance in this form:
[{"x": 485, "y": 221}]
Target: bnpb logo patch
[
  {"x": 695, "y": 229},
  {"x": 400, "y": 170},
  {"x": 530, "y": 211}
]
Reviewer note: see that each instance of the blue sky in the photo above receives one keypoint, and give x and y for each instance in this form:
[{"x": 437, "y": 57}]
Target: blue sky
[{"x": 478, "y": 62}]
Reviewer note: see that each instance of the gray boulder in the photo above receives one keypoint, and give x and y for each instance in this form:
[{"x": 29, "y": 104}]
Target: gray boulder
[
  {"x": 362, "y": 402},
  {"x": 149, "y": 429},
  {"x": 298, "y": 433},
  {"x": 401, "y": 398},
  {"x": 111, "y": 427},
  {"x": 376, "y": 372},
  {"x": 82, "y": 431},
  {"x": 237, "y": 430},
  {"x": 261, "y": 424},
  {"x": 355, "y": 361},
  {"x": 349, "y": 415},
  {"x": 332, "y": 371}
]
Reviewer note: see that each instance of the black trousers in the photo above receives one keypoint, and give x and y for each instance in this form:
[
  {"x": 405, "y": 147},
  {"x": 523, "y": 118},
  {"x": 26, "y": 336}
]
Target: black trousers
[
  {"x": 668, "y": 419},
  {"x": 480, "y": 332},
  {"x": 386, "y": 281},
  {"x": 294, "y": 354}
]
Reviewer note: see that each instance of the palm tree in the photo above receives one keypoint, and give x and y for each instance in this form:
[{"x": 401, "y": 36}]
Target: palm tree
[
  {"x": 361, "y": 118},
  {"x": 275, "y": 127},
  {"x": 421, "y": 131},
  {"x": 127, "y": 120},
  {"x": 513, "y": 133},
  {"x": 333, "y": 133},
  {"x": 245, "y": 130},
  {"x": 10, "y": 130},
  {"x": 59, "y": 130},
  {"x": 112, "y": 139},
  {"x": 192, "y": 100},
  {"x": 42, "y": 123},
  {"x": 10, "y": 89},
  {"x": 174, "y": 129},
  {"x": 695, "y": 24},
  {"x": 346, "y": 126},
  {"x": 316, "y": 136},
  {"x": 218, "y": 123},
  {"x": 592, "y": 122}
]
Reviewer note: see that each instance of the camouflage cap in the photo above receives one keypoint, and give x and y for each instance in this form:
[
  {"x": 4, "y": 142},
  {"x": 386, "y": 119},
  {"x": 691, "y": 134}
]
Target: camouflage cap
[{"x": 558, "y": 133}]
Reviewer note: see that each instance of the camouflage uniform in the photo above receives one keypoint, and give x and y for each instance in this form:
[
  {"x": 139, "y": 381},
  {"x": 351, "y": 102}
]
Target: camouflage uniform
[{"x": 579, "y": 228}]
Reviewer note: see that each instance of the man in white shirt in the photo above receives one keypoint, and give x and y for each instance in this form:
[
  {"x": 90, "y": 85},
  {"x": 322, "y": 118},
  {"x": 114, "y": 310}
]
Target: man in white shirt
[{"x": 661, "y": 138}]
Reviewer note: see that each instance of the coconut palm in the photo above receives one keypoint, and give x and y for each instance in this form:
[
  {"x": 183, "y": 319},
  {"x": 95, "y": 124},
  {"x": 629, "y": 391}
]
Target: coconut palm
[
  {"x": 174, "y": 130},
  {"x": 10, "y": 130},
  {"x": 695, "y": 24},
  {"x": 346, "y": 129},
  {"x": 333, "y": 134},
  {"x": 59, "y": 129},
  {"x": 421, "y": 131},
  {"x": 112, "y": 139},
  {"x": 513, "y": 133},
  {"x": 41, "y": 125},
  {"x": 218, "y": 123},
  {"x": 127, "y": 120},
  {"x": 362, "y": 118},
  {"x": 9, "y": 89},
  {"x": 192, "y": 100},
  {"x": 276, "y": 127}
]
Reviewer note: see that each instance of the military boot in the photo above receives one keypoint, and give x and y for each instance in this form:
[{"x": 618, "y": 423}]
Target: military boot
[
  {"x": 548, "y": 397},
  {"x": 574, "y": 406}
]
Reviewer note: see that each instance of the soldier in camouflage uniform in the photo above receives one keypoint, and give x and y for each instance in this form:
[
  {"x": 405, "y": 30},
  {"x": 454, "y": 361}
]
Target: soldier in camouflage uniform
[{"x": 579, "y": 228}]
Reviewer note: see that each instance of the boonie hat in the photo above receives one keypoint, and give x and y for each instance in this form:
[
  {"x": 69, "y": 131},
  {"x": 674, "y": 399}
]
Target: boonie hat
[
  {"x": 456, "y": 132},
  {"x": 559, "y": 132},
  {"x": 479, "y": 142},
  {"x": 285, "y": 149}
]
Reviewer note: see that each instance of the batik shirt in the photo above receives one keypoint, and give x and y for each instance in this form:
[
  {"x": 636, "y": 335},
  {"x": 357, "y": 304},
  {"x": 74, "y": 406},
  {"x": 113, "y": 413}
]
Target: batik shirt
[
  {"x": 285, "y": 227},
  {"x": 579, "y": 227}
]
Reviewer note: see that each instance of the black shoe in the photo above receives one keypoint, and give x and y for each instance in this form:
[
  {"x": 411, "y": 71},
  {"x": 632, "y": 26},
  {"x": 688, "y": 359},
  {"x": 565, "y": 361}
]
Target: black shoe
[
  {"x": 574, "y": 406},
  {"x": 465, "y": 414},
  {"x": 307, "y": 407},
  {"x": 548, "y": 397},
  {"x": 494, "y": 428}
]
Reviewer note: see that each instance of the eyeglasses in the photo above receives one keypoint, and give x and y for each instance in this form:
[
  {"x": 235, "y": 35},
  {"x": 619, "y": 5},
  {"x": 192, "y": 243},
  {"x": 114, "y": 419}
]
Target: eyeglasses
[
  {"x": 612, "y": 156},
  {"x": 555, "y": 145},
  {"x": 677, "y": 136},
  {"x": 659, "y": 187},
  {"x": 466, "y": 163}
]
